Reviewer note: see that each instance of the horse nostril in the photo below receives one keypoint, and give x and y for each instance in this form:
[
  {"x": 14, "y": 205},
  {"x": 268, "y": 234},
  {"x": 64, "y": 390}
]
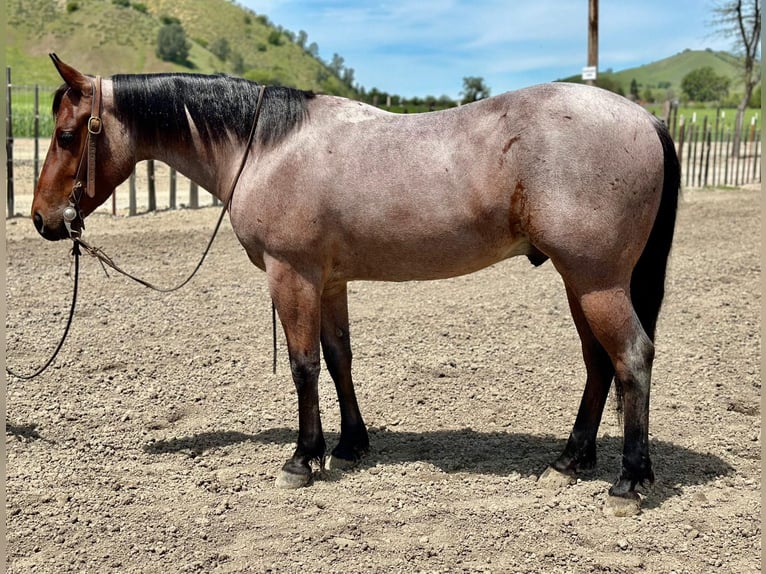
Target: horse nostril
[{"x": 39, "y": 224}]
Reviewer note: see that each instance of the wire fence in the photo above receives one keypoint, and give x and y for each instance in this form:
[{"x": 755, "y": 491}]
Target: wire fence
[{"x": 706, "y": 150}]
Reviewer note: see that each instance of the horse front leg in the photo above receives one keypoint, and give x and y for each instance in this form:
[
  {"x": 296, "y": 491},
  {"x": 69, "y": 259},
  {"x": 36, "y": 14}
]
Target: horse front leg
[
  {"x": 336, "y": 347},
  {"x": 297, "y": 300}
]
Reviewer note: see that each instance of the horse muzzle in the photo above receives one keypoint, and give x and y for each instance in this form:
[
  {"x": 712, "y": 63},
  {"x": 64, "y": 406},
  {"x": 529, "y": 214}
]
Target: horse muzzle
[{"x": 66, "y": 225}]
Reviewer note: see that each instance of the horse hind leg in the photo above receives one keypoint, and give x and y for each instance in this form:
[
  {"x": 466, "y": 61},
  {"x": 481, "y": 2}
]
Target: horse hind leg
[
  {"x": 613, "y": 321},
  {"x": 580, "y": 451},
  {"x": 619, "y": 329},
  {"x": 336, "y": 348}
]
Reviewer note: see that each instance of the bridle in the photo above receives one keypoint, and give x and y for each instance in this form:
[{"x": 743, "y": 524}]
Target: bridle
[{"x": 88, "y": 158}]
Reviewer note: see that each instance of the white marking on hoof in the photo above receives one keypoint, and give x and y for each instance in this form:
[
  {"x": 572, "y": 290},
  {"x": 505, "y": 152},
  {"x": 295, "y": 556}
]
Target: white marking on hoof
[
  {"x": 292, "y": 481},
  {"x": 335, "y": 463},
  {"x": 555, "y": 480},
  {"x": 622, "y": 507}
]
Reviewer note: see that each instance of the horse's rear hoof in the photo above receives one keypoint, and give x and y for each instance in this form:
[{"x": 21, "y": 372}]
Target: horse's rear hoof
[
  {"x": 342, "y": 464},
  {"x": 290, "y": 480},
  {"x": 553, "y": 479},
  {"x": 621, "y": 506}
]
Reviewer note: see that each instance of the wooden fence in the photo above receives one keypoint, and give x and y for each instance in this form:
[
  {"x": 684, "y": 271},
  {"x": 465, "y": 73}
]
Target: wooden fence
[{"x": 705, "y": 149}]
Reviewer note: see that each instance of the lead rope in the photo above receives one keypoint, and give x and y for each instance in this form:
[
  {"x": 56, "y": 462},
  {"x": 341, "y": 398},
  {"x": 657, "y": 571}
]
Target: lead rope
[
  {"x": 106, "y": 260},
  {"x": 41, "y": 370}
]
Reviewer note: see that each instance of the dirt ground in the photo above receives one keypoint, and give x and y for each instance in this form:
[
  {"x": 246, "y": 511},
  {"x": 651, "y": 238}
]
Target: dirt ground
[{"x": 153, "y": 442}]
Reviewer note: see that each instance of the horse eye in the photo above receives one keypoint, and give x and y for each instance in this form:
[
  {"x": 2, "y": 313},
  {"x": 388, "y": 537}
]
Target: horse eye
[{"x": 66, "y": 138}]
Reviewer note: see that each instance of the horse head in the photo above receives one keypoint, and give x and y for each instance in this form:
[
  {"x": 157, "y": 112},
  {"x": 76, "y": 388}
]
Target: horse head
[{"x": 80, "y": 169}]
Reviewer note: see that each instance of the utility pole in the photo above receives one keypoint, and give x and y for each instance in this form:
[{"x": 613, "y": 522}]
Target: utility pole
[{"x": 590, "y": 73}]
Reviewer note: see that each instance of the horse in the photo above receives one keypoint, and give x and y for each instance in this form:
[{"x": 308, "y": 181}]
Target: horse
[{"x": 332, "y": 190}]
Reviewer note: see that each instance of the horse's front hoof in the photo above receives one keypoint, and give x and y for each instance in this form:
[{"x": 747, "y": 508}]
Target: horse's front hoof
[
  {"x": 291, "y": 480},
  {"x": 553, "y": 479},
  {"x": 623, "y": 506}
]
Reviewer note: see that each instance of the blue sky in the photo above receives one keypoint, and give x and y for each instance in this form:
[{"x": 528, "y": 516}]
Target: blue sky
[{"x": 426, "y": 47}]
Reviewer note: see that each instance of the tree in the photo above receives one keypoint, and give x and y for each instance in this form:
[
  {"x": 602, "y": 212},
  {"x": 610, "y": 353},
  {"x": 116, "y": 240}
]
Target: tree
[
  {"x": 741, "y": 20},
  {"x": 275, "y": 37},
  {"x": 237, "y": 63},
  {"x": 474, "y": 89},
  {"x": 336, "y": 64},
  {"x": 704, "y": 85},
  {"x": 347, "y": 77},
  {"x": 634, "y": 88},
  {"x": 302, "y": 39},
  {"x": 220, "y": 47},
  {"x": 172, "y": 45}
]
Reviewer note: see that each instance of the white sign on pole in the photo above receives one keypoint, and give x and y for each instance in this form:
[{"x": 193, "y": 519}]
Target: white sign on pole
[{"x": 589, "y": 73}]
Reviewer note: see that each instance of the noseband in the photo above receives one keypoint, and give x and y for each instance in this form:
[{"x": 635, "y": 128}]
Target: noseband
[{"x": 95, "y": 127}]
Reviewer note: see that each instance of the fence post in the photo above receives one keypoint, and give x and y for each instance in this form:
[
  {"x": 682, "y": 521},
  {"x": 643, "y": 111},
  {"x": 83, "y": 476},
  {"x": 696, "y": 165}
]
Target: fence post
[
  {"x": 726, "y": 161},
  {"x": 132, "y": 194},
  {"x": 702, "y": 150},
  {"x": 193, "y": 195},
  {"x": 152, "y": 190},
  {"x": 681, "y": 142},
  {"x": 735, "y": 145},
  {"x": 172, "y": 188},
  {"x": 757, "y": 142},
  {"x": 9, "y": 144},
  {"x": 708, "y": 145},
  {"x": 37, "y": 134}
]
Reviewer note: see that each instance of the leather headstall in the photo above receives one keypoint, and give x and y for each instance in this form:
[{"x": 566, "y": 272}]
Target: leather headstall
[{"x": 94, "y": 127}]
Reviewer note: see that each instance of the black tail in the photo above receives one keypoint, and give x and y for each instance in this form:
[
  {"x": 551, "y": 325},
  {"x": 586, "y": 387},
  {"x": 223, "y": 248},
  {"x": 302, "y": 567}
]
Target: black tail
[{"x": 647, "y": 285}]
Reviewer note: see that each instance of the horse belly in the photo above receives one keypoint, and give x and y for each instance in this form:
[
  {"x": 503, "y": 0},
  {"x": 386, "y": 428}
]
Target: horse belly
[{"x": 403, "y": 254}]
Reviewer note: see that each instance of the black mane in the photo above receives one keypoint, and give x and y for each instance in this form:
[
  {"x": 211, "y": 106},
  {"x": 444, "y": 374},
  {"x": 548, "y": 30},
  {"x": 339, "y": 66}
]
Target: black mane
[{"x": 154, "y": 107}]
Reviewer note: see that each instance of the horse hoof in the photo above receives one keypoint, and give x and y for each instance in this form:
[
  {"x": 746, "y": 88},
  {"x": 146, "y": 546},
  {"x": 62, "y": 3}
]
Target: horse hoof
[
  {"x": 622, "y": 507},
  {"x": 335, "y": 463},
  {"x": 290, "y": 480},
  {"x": 554, "y": 480}
]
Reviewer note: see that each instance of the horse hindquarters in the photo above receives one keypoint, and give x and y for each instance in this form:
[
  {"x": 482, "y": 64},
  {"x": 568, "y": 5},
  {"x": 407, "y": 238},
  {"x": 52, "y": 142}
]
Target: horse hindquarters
[{"x": 616, "y": 320}]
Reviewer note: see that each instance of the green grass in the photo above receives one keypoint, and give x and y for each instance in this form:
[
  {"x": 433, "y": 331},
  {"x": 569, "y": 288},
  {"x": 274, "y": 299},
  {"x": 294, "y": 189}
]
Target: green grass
[{"x": 23, "y": 110}]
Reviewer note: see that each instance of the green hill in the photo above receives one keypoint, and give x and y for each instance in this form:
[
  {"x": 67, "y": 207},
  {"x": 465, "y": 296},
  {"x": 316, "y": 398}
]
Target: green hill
[
  {"x": 665, "y": 75},
  {"x": 120, "y": 36}
]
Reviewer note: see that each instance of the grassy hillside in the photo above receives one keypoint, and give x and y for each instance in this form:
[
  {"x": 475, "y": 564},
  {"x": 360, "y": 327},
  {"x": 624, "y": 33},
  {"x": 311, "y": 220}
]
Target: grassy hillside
[
  {"x": 107, "y": 37},
  {"x": 668, "y": 73}
]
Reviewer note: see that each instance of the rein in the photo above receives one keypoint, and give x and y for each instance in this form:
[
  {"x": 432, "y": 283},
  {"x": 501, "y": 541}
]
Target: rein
[{"x": 73, "y": 211}]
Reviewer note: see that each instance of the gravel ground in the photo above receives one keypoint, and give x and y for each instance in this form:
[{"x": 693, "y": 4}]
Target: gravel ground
[{"x": 153, "y": 442}]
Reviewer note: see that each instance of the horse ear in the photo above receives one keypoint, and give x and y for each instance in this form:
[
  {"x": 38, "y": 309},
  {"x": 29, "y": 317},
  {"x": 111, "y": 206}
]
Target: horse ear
[{"x": 74, "y": 79}]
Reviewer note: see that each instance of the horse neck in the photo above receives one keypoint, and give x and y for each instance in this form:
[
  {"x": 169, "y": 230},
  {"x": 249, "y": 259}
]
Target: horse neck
[
  {"x": 206, "y": 163},
  {"x": 204, "y": 166},
  {"x": 207, "y": 166}
]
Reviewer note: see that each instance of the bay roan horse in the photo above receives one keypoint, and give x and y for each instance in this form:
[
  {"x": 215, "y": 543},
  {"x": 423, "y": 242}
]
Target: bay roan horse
[{"x": 334, "y": 190}]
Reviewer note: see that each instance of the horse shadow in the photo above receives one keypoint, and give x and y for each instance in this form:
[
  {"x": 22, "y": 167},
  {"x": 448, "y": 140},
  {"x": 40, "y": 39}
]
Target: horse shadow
[
  {"x": 24, "y": 432},
  {"x": 470, "y": 451}
]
